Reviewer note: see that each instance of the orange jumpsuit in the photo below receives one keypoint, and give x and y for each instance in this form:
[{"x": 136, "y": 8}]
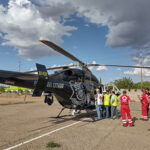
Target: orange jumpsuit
[
  {"x": 125, "y": 110},
  {"x": 144, "y": 105}
]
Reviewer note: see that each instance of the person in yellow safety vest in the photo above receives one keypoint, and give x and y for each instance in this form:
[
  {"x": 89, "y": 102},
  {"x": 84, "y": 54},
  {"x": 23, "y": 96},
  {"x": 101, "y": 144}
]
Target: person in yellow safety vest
[
  {"x": 114, "y": 103},
  {"x": 106, "y": 104}
]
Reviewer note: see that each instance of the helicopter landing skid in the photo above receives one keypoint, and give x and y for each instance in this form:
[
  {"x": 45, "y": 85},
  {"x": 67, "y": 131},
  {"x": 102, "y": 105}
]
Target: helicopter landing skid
[
  {"x": 58, "y": 116},
  {"x": 90, "y": 115}
]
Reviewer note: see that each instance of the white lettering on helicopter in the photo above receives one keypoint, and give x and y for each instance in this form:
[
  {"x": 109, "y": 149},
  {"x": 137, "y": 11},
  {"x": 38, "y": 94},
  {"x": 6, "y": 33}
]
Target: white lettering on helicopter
[
  {"x": 55, "y": 85},
  {"x": 52, "y": 85}
]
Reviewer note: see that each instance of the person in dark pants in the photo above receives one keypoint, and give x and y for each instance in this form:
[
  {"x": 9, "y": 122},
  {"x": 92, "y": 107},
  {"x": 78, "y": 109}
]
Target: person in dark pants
[
  {"x": 110, "y": 103},
  {"x": 114, "y": 102},
  {"x": 98, "y": 103},
  {"x": 106, "y": 104},
  {"x": 148, "y": 110},
  {"x": 148, "y": 98}
]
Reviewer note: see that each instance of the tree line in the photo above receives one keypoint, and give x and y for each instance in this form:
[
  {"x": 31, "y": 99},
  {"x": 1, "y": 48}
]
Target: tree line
[
  {"x": 19, "y": 91},
  {"x": 127, "y": 83},
  {"x": 124, "y": 83}
]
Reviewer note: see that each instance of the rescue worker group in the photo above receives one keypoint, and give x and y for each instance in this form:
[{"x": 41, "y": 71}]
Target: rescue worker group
[{"x": 106, "y": 106}]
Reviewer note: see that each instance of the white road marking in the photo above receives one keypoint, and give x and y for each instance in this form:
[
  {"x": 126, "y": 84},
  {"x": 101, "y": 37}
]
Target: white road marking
[{"x": 38, "y": 137}]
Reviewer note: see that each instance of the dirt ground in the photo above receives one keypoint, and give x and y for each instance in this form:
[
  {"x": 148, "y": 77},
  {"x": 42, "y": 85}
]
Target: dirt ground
[{"x": 22, "y": 122}]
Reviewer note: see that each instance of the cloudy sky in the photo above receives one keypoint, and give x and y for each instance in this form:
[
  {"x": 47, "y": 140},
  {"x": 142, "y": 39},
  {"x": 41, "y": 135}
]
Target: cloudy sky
[{"x": 98, "y": 31}]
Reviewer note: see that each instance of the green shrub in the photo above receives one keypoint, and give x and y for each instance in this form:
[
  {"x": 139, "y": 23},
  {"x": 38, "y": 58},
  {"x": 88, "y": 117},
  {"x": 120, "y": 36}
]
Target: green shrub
[
  {"x": 2, "y": 89},
  {"x": 52, "y": 144}
]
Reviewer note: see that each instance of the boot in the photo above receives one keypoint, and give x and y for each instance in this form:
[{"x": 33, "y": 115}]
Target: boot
[{"x": 125, "y": 125}]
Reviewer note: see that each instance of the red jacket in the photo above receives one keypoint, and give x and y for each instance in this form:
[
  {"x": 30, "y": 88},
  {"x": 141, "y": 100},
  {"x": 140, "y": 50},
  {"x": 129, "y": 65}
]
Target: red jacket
[
  {"x": 144, "y": 98},
  {"x": 124, "y": 99}
]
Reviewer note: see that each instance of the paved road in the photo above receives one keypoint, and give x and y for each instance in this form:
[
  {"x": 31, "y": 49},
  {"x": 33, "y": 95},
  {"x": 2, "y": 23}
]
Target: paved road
[{"x": 22, "y": 122}]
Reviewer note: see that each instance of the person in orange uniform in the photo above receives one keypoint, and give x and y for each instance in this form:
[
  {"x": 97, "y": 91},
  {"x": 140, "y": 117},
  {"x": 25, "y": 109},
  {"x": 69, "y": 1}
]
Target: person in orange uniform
[
  {"x": 144, "y": 104},
  {"x": 124, "y": 100}
]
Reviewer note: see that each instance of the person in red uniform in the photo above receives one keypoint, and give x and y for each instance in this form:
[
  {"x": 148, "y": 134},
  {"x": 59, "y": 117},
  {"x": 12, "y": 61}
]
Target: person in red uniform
[
  {"x": 125, "y": 110},
  {"x": 144, "y": 104}
]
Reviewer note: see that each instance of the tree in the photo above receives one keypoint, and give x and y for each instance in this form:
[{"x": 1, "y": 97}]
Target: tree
[
  {"x": 125, "y": 83},
  {"x": 145, "y": 85},
  {"x": 20, "y": 91},
  {"x": 2, "y": 89}
]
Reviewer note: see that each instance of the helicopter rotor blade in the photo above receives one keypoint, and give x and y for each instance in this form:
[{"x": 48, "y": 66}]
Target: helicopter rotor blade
[
  {"x": 62, "y": 51},
  {"x": 144, "y": 67},
  {"x": 62, "y": 67},
  {"x": 65, "y": 53},
  {"x": 53, "y": 68}
]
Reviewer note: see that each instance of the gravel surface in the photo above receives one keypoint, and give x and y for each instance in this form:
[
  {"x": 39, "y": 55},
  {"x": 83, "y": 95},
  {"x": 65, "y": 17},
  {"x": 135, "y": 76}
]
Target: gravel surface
[{"x": 22, "y": 122}]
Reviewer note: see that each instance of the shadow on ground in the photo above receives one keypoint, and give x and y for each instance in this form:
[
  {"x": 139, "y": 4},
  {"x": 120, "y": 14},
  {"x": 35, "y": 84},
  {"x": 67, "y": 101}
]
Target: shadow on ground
[{"x": 66, "y": 118}]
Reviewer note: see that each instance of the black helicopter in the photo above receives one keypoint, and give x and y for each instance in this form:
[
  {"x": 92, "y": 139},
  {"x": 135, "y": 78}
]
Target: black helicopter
[{"x": 72, "y": 87}]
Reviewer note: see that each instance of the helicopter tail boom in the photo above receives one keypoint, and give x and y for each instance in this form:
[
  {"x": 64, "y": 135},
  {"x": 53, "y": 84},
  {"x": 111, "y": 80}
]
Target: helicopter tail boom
[{"x": 17, "y": 79}]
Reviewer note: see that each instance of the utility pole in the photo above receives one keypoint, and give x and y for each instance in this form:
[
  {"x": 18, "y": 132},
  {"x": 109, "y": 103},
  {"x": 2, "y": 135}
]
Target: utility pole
[
  {"x": 141, "y": 63},
  {"x": 19, "y": 66}
]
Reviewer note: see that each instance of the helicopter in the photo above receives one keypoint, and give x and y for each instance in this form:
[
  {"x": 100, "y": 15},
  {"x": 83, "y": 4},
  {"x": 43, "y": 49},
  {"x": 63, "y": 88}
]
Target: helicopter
[{"x": 72, "y": 87}]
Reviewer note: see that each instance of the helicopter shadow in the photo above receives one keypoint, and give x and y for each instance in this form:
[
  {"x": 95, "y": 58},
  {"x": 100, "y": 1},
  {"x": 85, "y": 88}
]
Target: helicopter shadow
[
  {"x": 66, "y": 118},
  {"x": 76, "y": 117}
]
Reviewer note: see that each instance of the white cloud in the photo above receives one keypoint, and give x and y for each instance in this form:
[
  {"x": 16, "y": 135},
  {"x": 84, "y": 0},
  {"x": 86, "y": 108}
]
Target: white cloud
[
  {"x": 128, "y": 21},
  {"x": 93, "y": 62},
  {"x": 1, "y": 35},
  {"x": 118, "y": 69},
  {"x": 69, "y": 65},
  {"x": 134, "y": 72},
  {"x": 53, "y": 66},
  {"x": 24, "y": 24},
  {"x": 31, "y": 69},
  {"x": 145, "y": 58},
  {"x": 86, "y": 25},
  {"x": 137, "y": 71},
  {"x": 100, "y": 68}
]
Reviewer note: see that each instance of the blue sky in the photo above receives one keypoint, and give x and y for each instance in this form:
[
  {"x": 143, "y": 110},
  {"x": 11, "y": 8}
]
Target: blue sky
[{"x": 78, "y": 33}]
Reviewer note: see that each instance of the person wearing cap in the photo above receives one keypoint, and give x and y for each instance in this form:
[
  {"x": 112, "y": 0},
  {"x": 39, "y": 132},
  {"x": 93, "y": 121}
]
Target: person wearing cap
[
  {"x": 144, "y": 104},
  {"x": 114, "y": 102},
  {"x": 98, "y": 103},
  {"x": 106, "y": 104},
  {"x": 125, "y": 110}
]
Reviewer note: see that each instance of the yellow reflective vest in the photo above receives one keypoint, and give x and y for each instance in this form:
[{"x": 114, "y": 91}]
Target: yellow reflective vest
[
  {"x": 106, "y": 99},
  {"x": 115, "y": 101}
]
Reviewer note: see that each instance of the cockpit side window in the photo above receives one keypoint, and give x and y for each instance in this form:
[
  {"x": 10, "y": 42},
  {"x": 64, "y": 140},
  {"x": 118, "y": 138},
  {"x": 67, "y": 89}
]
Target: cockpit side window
[{"x": 68, "y": 72}]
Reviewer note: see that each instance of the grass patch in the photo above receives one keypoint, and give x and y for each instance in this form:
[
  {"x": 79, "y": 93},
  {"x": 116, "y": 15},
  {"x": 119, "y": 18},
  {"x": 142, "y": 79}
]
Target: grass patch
[
  {"x": 14, "y": 103},
  {"x": 52, "y": 145}
]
